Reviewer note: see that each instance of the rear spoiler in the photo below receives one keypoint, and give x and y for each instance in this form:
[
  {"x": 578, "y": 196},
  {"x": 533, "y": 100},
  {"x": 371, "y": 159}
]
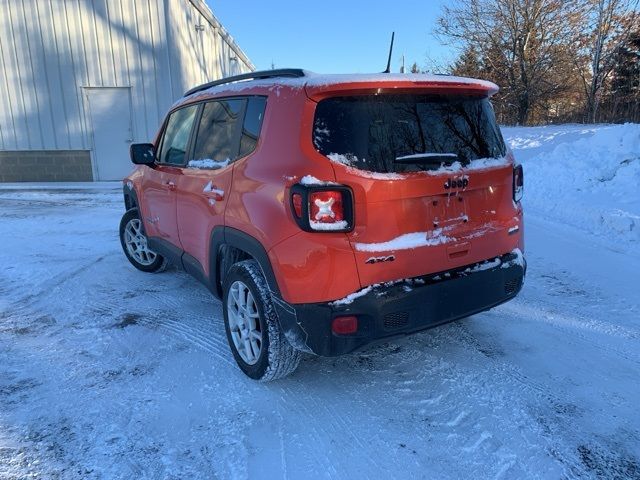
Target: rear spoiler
[{"x": 316, "y": 90}]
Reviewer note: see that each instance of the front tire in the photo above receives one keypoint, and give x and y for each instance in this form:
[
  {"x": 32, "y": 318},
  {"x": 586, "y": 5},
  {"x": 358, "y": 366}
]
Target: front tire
[
  {"x": 134, "y": 244},
  {"x": 256, "y": 340}
]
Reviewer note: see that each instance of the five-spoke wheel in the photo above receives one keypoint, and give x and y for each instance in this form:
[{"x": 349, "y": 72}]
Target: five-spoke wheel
[
  {"x": 257, "y": 341},
  {"x": 134, "y": 244}
]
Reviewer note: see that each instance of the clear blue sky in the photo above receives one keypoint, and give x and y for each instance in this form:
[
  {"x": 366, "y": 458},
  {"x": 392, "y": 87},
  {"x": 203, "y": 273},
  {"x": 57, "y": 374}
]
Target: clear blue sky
[{"x": 332, "y": 36}]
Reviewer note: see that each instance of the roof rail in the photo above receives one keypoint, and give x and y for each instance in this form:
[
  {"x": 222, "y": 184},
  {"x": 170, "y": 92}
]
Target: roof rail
[{"x": 279, "y": 72}]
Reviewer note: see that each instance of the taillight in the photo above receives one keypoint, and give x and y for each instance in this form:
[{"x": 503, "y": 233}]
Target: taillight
[
  {"x": 322, "y": 208},
  {"x": 326, "y": 207},
  {"x": 518, "y": 183}
]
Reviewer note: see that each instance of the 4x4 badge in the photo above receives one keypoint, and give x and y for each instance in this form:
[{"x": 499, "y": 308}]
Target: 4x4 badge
[
  {"x": 456, "y": 183},
  {"x": 388, "y": 258}
]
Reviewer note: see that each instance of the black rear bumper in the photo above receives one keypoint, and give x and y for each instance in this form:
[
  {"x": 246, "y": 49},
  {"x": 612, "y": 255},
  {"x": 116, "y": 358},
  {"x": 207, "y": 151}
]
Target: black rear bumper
[{"x": 403, "y": 307}]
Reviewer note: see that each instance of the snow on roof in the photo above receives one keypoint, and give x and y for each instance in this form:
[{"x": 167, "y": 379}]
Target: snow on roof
[
  {"x": 315, "y": 80},
  {"x": 320, "y": 80}
]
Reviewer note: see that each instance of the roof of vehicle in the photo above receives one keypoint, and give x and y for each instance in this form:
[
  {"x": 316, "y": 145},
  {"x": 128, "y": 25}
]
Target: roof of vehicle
[{"x": 315, "y": 83}]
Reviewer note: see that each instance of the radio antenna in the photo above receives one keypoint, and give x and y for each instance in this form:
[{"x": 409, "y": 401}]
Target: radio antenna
[{"x": 388, "y": 70}]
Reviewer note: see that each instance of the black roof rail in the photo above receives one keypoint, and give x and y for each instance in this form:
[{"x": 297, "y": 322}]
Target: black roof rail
[{"x": 278, "y": 72}]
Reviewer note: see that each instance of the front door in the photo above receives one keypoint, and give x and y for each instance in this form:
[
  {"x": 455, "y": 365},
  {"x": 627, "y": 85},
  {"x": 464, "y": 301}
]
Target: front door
[
  {"x": 109, "y": 110},
  {"x": 160, "y": 184}
]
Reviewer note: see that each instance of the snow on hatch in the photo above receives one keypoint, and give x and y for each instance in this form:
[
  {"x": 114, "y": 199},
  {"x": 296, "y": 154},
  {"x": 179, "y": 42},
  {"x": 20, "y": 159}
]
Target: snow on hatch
[
  {"x": 407, "y": 241},
  {"x": 348, "y": 160}
]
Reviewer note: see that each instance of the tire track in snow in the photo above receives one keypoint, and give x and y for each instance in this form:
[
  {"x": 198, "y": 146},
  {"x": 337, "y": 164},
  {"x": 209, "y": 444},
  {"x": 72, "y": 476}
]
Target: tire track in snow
[
  {"x": 552, "y": 416},
  {"x": 193, "y": 336},
  {"x": 463, "y": 387},
  {"x": 541, "y": 312}
]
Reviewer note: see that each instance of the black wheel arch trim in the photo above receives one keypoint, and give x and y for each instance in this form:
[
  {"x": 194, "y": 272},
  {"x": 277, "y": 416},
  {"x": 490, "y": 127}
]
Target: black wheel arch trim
[
  {"x": 130, "y": 197},
  {"x": 237, "y": 238},
  {"x": 220, "y": 236}
]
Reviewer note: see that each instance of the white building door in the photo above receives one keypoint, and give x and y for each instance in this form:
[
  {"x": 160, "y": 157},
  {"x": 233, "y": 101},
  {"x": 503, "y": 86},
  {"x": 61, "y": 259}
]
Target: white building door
[{"x": 109, "y": 112}]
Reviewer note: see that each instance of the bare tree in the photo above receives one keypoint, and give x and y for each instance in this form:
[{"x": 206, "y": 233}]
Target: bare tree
[
  {"x": 523, "y": 42},
  {"x": 612, "y": 22}
]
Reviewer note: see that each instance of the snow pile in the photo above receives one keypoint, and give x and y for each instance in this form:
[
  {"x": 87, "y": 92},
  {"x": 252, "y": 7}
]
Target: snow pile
[{"x": 584, "y": 176}]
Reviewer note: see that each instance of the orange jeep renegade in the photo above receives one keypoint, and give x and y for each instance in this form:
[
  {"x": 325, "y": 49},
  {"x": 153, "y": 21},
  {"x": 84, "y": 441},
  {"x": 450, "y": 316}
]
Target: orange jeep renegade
[{"x": 329, "y": 211}]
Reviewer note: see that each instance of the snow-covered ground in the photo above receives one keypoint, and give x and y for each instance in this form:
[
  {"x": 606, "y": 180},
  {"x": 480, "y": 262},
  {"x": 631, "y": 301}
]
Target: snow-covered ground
[
  {"x": 106, "y": 372},
  {"x": 583, "y": 176}
]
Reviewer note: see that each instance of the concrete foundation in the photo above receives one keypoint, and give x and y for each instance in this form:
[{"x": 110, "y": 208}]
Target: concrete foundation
[{"x": 45, "y": 166}]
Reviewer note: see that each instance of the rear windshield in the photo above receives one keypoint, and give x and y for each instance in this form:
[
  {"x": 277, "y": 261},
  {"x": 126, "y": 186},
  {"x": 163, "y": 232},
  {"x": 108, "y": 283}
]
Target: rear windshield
[{"x": 371, "y": 132}]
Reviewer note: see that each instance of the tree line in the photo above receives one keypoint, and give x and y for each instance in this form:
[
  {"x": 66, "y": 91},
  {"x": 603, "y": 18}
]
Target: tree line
[{"x": 554, "y": 60}]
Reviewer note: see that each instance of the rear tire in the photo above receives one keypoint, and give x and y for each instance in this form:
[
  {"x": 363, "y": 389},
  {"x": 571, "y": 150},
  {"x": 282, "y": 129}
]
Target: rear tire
[
  {"x": 256, "y": 340},
  {"x": 133, "y": 240}
]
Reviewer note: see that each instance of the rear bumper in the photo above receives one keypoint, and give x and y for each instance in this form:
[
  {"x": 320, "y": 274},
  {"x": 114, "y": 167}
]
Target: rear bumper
[{"x": 403, "y": 307}]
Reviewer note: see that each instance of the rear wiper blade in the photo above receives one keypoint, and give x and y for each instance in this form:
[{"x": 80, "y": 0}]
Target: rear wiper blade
[{"x": 427, "y": 158}]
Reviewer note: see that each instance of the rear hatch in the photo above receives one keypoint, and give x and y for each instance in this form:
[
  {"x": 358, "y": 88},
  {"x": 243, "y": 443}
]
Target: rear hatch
[{"x": 431, "y": 177}]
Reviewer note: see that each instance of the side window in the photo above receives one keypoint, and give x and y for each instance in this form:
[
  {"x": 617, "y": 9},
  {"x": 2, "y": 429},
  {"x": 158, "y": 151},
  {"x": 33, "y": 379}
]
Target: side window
[
  {"x": 176, "y": 136},
  {"x": 217, "y": 137},
  {"x": 252, "y": 124}
]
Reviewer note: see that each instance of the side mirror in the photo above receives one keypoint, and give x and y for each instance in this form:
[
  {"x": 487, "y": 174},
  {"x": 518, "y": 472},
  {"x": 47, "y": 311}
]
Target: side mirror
[{"x": 143, "y": 154}]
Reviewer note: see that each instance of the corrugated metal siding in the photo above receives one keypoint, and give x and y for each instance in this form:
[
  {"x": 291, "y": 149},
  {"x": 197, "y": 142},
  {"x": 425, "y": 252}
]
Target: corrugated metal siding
[
  {"x": 200, "y": 48},
  {"x": 50, "y": 49}
]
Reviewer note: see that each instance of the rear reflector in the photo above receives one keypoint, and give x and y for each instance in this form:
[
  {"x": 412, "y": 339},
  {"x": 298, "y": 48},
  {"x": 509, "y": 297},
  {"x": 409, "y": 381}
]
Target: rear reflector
[
  {"x": 296, "y": 199},
  {"x": 344, "y": 325}
]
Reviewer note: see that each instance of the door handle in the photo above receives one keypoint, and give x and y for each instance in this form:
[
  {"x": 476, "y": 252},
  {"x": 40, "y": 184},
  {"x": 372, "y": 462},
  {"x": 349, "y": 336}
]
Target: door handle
[
  {"x": 170, "y": 185},
  {"x": 212, "y": 192}
]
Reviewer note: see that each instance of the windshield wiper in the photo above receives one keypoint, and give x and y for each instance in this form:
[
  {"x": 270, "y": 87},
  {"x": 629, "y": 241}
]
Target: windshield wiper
[{"x": 427, "y": 158}]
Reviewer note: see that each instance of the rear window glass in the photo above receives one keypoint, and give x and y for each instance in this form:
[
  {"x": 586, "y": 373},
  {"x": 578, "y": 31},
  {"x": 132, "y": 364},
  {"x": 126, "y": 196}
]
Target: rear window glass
[{"x": 371, "y": 132}]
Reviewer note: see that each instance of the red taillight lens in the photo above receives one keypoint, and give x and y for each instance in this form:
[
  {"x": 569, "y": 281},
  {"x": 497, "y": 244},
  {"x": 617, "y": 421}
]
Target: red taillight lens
[
  {"x": 322, "y": 208},
  {"x": 326, "y": 207},
  {"x": 297, "y": 204},
  {"x": 518, "y": 183},
  {"x": 344, "y": 325}
]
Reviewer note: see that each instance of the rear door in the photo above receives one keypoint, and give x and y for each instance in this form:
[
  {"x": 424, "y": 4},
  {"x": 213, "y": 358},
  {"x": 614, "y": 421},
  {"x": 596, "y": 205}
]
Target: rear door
[
  {"x": 159, "y": 185},
  {"x": 450, "y": 208},
  {"x": 205, "y": 184}
]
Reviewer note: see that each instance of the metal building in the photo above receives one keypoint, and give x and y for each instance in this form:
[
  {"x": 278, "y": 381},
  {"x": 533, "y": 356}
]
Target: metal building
[{"x": 82, "y": 79}]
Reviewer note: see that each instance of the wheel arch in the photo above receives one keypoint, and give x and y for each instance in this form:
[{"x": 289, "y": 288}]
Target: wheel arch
[
  {"x": 229, "y": 245},
  {"x": 130, "y": 197}
]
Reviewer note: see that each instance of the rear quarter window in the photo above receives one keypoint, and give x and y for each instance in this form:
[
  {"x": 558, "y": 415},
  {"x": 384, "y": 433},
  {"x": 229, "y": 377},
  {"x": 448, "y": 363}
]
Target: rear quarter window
[{"x": 252, "y": 124}]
